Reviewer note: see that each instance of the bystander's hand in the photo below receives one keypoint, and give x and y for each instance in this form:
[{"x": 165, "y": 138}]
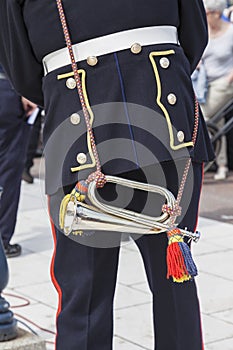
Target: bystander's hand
[
  {"x": 199, "y": 65},
  {"x": 28, "y": 106},
  {"x": 228, "y": 13},
  {"x": 230, "y": 77}
]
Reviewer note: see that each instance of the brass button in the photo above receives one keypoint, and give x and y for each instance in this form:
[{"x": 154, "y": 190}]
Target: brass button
[
  {"x": 75, "y": 118},
  {"x": 164, "y": 62},
  {"x": 136, "y": 48},
  {"x": 180, "y": 136},
  {"x": 81, "y": 158},
  {"x": 70, "y": 83},
  {"x": 171, "y": 99},
  {"x": 92, "y": 60}
]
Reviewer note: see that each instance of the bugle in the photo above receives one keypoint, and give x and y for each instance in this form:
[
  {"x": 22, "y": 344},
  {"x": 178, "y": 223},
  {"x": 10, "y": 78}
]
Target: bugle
[{"x": 98, "y": 216}]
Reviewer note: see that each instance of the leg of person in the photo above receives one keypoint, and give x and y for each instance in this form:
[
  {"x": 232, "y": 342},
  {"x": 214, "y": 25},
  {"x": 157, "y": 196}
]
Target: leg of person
[
  {"x": 221, "y": 159},
  {"x": 230, "y": 144},
  {"x": 220, "y": 92},
  {"x": 85, "y": 279},
  {"x": 14, "y": 133},
  {"x": 12, "y": 163},
  {"x": 176, "y": 312},
  {"x": 31, "y": 150}
]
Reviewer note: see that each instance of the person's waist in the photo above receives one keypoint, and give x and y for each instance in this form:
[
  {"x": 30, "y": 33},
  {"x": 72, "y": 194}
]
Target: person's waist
[{"x": 89, "y": 50}]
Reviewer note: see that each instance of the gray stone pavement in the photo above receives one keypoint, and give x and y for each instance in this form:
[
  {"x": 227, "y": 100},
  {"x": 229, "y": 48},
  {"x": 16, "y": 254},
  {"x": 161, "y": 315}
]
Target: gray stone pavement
[
  {"x": 216, "y": 201},
  {"x": 30, "y": 279}
]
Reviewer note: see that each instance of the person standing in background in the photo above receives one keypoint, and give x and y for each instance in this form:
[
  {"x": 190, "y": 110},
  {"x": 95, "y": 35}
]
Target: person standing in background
[
  {"x": 14, "y": 136},
  {"x": 218, "y": 63},
  {"x": 32, "y": 148}
]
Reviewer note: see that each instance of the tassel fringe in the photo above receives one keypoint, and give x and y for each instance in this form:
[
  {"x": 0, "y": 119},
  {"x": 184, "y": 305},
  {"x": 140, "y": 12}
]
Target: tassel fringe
[
  {"x": 62, "y": 211},
  {"x": 78, "y": 193},
  {"x": 180, "y": 264}
]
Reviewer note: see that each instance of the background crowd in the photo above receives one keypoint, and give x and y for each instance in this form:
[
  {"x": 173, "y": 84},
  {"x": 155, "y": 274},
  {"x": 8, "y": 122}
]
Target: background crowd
[{"x": 213, "y": 78}]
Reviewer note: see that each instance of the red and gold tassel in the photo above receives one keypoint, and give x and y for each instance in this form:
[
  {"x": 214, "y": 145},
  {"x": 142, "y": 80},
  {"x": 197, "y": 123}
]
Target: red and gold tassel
[{"x": 180, "y": 264}]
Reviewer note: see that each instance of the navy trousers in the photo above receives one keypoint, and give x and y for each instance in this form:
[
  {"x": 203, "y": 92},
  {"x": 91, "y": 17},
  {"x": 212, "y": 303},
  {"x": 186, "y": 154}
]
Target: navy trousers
[
  {"x": 33, "y": 142},
  {"x": 14, "y": 134},
  {"x": 85, "y": 279}
]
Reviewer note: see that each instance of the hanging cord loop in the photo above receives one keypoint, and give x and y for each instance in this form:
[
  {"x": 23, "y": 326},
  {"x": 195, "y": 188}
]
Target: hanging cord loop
[
  {"x": 180, "y": 264},
  {"x": 97, "y": 176}
]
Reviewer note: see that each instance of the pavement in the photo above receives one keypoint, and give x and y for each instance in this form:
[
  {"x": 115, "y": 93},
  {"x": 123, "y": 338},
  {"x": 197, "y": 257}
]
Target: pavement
[
  {"x": 33, "y": 298},
  {"x": 216, "y": 201}
]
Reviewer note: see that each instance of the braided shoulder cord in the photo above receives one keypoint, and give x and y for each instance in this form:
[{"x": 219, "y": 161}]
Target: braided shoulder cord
[{"x": 97, "y": 176}]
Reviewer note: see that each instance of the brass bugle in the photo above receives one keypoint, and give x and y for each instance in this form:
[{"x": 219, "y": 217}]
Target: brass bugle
[
  {"x": 81, "y": 217},
  {"x": 102, "y": 217}
]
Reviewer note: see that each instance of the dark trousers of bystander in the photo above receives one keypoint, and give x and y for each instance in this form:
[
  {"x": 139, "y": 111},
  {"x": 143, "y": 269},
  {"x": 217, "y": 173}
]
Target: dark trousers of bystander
[{"x": 14, "y": 135}]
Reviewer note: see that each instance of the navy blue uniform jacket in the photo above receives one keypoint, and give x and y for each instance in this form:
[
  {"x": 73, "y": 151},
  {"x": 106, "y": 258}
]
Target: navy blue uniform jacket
[{"x": 134, "y": 123}]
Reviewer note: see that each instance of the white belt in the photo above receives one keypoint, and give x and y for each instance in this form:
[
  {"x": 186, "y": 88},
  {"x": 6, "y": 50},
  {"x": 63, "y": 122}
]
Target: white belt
[{"x": 111, "y": 43}]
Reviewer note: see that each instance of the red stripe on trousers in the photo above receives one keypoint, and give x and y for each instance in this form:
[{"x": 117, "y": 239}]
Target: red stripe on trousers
[
  {"x": 54, "y": 280},
  {"x": 194, "y": 231}
]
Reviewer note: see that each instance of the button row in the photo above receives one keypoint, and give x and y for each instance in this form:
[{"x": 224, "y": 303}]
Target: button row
[
  {"x": 136, "y": 48},
  {"x": 71, "y": 84},
  {"x": 82, "y": 158}
]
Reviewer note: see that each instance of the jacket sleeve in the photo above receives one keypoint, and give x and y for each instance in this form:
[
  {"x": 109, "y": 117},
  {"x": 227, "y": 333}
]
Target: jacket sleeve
[
  {"x": 16, "y": 54},
  {"x": 193, "y": 30}
]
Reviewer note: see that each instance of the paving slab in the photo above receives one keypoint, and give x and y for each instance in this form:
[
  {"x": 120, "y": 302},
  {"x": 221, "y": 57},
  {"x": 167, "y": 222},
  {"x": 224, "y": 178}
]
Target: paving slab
[
  {"x": 216, "y": 201},
  {"x": 216, "y": 330},
  {"x": 24, "y": 341},
  {"x": 135, "y": 325},
  {"x": 225, "y": 344},
  {"x": 123, "y": 344}
]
